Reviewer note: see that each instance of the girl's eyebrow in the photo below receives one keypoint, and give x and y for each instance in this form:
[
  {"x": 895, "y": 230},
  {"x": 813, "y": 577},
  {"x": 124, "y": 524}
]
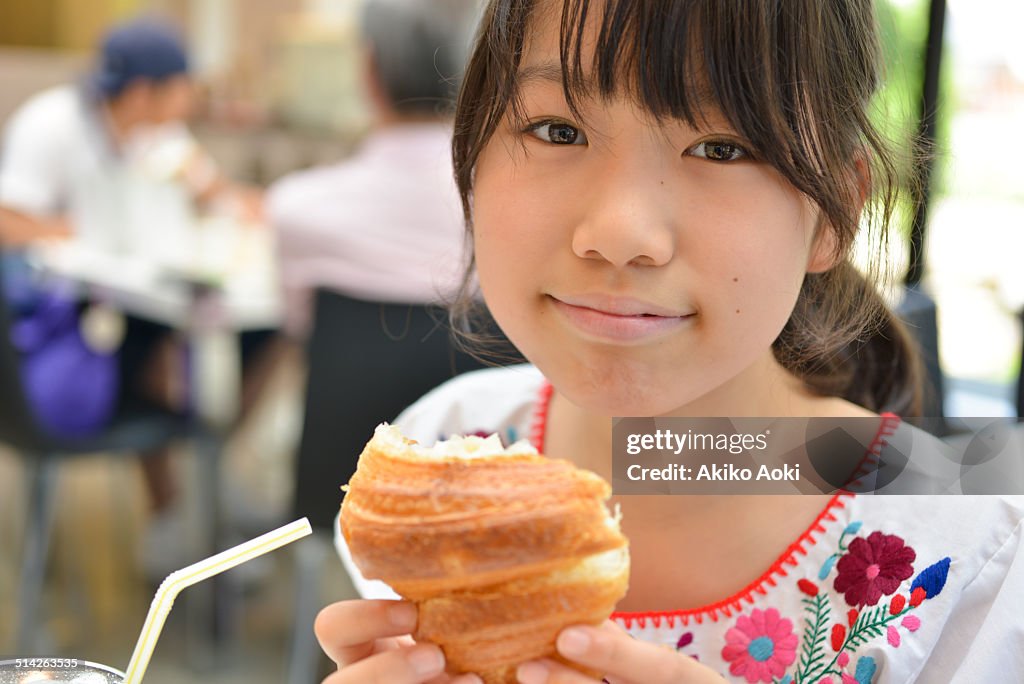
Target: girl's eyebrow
[
  {"x": 701, "y": 98},
  {"x": 545, "y": 71},
  {"x": 701, "y": 101}
]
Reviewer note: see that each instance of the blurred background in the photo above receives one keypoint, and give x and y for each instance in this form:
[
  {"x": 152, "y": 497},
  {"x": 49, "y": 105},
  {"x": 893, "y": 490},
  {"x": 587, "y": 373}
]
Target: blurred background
[{"x": 281, "y": 87}]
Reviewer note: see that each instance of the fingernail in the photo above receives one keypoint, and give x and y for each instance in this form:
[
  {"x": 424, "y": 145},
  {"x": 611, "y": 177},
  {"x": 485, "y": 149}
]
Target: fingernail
[
  {"x": 467, "y": 679},
  {"x": 532, "y": 673},
  {"x": 573, "y": 642},
  {"x": 426, "y": 660},
  {"x": 402, "y": 615}
]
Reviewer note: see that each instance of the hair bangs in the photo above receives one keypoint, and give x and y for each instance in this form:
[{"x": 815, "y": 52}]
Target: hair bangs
[
  {"x": 692, "y": 60},
  {"x": 647, "y": 50}
]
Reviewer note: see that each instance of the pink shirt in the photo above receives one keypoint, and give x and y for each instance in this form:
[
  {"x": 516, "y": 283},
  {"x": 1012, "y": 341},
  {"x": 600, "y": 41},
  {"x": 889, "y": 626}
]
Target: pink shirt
[{"x": 384, "y": 224}]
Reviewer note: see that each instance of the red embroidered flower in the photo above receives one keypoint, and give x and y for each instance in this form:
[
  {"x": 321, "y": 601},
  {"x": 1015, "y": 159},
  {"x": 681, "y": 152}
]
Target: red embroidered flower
[
  {"x": 872, "y": 567},
  {"x": 760, "y": 647}
]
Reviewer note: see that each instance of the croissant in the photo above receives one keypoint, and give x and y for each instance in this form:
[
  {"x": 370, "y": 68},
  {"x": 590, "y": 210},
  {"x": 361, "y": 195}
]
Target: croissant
[{"x": 499, "y": 548}]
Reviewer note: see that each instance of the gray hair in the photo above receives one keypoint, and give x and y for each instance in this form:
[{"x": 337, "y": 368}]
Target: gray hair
[{"x": 420, "y": 49}]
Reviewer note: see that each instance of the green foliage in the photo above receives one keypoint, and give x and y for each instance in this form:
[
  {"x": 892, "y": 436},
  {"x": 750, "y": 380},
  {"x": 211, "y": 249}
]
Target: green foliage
[{"x": 897, "y": 108}]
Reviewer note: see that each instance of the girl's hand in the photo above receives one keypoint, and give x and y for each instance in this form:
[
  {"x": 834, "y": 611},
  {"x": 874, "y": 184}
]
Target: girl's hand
[
  {"x": 371, "y": 643},
  {"x": 623, "y": 659}
]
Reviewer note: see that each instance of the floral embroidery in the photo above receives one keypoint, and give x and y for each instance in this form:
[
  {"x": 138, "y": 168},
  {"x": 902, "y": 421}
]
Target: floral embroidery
[
  {"x": 931, "y": 579},
  {"x": 867, "y": 569},
  {"x": 872, "y": 567},
  {"x": 686, "y": 639},
  {"x": 760, "y": 646}
]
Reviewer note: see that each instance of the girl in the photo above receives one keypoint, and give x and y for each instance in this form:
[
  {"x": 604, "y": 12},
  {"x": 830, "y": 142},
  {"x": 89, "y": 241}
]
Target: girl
[{"x": 662, "y": 198}]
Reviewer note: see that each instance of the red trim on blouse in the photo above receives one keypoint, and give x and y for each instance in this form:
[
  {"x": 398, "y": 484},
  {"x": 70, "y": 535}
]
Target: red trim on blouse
[
  {"x": 888, "y": 427},
  {"x": 734, "y": 603},
  {"x": 725, "y": 608},
  {"x": 539, "y": 423}
]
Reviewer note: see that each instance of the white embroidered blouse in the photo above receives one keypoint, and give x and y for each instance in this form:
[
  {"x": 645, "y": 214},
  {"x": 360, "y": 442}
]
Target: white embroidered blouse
[{"x": 879, "y": 589}]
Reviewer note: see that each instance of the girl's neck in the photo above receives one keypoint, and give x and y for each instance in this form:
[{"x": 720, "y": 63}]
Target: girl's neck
[
  {"x": 707, "y": 540},
  {"x": 764, "y": 389}
]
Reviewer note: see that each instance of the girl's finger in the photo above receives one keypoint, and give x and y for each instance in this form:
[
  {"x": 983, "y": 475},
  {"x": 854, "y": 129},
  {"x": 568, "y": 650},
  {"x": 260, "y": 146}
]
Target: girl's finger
[
  {"x": 610, "y": 650},
  {"x": 347, "y": 630},
  {"x": 550, "y": 672},
  {"x": 467, "y": 679},
  {"x": 413, "y": 665},
  {"x": 456, "y": 679}
]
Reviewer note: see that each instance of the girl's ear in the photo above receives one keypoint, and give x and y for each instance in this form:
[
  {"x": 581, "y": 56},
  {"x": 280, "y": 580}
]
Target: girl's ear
[{"x": 824, "y": 252}]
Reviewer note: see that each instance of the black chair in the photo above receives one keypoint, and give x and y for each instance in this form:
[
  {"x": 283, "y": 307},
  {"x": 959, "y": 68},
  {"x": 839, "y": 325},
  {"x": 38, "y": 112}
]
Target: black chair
[
  {"x": 367, "y": 361},
  {"x": 43, "y": 453},
  {"x": 917, "y": 310}
]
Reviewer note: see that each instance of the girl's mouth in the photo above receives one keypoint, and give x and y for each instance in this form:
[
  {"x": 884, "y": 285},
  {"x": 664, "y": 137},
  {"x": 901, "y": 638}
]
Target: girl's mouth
[{"x": 618, "y": 319}]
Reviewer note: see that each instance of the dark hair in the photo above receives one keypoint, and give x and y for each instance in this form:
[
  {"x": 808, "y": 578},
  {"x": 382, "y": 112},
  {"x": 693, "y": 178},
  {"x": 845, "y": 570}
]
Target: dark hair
[{"x": 796, "y": 79}]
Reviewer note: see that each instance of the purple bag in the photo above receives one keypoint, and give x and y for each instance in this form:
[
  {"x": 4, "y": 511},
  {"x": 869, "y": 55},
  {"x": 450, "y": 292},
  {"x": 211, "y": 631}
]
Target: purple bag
[{"x": 71, "y": 388}]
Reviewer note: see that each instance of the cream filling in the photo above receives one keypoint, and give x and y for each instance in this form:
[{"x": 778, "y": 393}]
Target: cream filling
[{"x": 457, "y": 446}]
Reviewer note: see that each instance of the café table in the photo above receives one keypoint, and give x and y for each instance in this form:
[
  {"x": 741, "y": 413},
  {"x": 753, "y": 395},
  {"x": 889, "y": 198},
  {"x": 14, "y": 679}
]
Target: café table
[{"x": 216, "y": 283}]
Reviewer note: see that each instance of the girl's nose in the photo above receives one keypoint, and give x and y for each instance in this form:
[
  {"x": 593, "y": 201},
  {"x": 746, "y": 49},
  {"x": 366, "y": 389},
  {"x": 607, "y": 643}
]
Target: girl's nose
[{"x": 628, "y": 222}]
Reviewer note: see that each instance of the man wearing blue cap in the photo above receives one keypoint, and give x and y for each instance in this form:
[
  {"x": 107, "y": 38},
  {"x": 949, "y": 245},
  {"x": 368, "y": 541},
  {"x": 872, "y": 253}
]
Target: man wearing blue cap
[{"x": 69, "y": 144}]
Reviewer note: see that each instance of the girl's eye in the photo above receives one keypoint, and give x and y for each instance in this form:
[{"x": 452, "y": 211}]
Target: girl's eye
[
  {"x": 557, "y": 133},
  {"x": 718, "y": 150}
]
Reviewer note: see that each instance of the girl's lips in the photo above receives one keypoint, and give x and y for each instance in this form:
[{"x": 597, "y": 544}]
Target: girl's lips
[{"x": 618, "y": 327}]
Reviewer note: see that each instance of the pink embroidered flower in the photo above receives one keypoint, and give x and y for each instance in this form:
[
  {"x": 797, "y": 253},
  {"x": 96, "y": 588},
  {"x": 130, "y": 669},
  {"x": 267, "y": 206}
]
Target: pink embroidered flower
[
  {"x": 761, "y": 646},
  {"x": 872, "y": 567},
  {"x": 911, "y": 622}
]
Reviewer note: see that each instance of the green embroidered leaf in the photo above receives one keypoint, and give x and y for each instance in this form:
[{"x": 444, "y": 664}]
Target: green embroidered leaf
[
  {"x": 812, "y": 651},
  {"x": 870, "y": 624}
]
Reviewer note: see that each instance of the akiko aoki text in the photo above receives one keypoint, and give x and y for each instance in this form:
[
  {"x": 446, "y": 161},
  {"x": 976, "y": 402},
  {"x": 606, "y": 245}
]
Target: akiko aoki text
[{"x": 866, "y": 455}]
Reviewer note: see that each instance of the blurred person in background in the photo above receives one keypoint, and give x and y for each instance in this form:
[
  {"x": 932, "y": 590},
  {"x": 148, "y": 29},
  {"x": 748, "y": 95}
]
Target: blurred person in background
[
  {"x": 385, "y": 224},
  {"x": 127, "y": 116},
  {"x": 79, "y": 146}
]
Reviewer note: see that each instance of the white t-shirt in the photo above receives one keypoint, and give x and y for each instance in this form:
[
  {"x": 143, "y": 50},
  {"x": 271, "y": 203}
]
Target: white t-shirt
[
  {"x": 946, "y": 573},
  {"x": 58, "y": 158}
]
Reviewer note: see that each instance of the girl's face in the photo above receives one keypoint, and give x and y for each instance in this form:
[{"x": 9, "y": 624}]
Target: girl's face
[{"x": 641, "y": 267}]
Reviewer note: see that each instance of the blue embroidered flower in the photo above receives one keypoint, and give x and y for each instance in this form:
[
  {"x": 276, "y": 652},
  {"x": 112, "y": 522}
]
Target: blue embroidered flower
[
  {"x": 865, "y": 670},
  {"x": 933, "y": 578}
]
